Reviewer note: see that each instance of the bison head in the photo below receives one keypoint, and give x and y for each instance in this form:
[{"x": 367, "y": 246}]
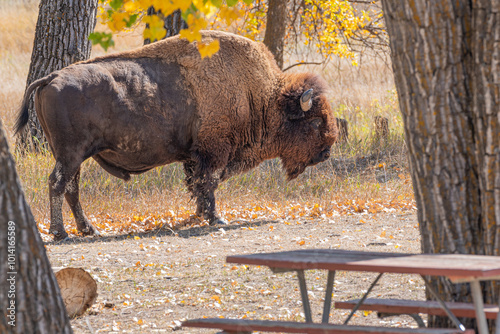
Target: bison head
[{"x": 308, "y": 129}]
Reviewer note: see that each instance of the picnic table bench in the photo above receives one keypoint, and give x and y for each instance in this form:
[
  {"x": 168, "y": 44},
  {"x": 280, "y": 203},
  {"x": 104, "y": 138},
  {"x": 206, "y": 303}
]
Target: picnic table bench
[
  {"x": 391, "y": 307},
  {"x": 243, "y": 326},
  {"x": 457, "y": 267}
]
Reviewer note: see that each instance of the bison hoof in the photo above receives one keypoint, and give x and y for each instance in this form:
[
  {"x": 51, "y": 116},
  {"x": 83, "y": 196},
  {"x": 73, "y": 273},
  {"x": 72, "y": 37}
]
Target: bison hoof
[
  {"x": 90, "y": 231},
  {"x": 60, "y": 236},
  {"x": 217, "y": 221}
]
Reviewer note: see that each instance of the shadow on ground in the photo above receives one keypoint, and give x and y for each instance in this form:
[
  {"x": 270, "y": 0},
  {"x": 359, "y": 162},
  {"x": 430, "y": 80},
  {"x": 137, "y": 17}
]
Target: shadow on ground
[{"x": 183, "y": 232}]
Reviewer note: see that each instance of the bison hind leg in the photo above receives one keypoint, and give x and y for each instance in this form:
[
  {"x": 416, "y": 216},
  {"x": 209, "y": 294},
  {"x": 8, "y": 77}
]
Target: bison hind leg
[
  {"x": 57, "y": 187},
  {"x": 73, "y": 198},
  {"x": 64, "y": 181}
]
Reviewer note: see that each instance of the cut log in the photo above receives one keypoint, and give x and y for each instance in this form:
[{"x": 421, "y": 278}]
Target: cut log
[
  {"x": 343, "y": 128},
  {"x": 78, "y": 290}
]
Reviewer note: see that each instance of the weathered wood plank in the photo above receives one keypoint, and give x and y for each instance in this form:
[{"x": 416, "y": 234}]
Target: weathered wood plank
[
  {"x": 456, "y": 265},
  {"x": 404, "y": 306},
  {"x": 243, "y": 325}
]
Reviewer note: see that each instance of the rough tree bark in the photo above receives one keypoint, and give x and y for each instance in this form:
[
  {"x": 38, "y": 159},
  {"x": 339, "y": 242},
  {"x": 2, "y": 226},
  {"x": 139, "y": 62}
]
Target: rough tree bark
[
  {"x": 29, "y": 295},
  {"x": 446, "y": 65},
  {"x": 274, "y": 38},
  {"x": 172, "y": 23},
  {"x": 61, "y": 38}
]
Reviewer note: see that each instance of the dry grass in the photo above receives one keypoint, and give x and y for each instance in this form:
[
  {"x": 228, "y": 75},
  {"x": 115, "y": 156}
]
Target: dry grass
[{"x": 362, "y": 175}]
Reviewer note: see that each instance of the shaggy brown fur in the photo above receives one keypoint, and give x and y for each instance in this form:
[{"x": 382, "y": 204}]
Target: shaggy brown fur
[{"x": 135, "y": 110}]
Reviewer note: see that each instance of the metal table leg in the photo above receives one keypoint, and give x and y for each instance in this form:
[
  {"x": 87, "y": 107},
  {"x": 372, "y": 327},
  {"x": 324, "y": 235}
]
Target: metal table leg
[
  {"x": 445, "y": 308},
  {"x": 328, "y": 296},
  {"x": 497, "y": 331},
  {"x": 362, "y": 300},
  {"x": 477, "y": 297},
  {"x": 305, "y": 297}
]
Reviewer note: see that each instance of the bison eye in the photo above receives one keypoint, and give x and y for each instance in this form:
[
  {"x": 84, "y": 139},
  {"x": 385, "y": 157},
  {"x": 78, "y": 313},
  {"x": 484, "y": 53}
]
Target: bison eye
[{"x": 316, "y": 123}]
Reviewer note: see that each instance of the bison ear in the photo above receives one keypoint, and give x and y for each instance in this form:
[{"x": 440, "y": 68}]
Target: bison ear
[{"x": 296, "y": 106}]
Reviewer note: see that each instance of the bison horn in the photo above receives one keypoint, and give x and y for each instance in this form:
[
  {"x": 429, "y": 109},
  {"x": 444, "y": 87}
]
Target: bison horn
[{"x": 306, "y": 100}]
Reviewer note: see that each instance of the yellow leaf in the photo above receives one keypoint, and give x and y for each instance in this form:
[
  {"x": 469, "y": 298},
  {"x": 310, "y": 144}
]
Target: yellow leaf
[
  {"x": 138, "y": 263},
  {"x": 206, "y": 7},
  {"x": 117, "y": 21},
  {"x": 156, "y": 31},
  {"x": 136, "y": 238},
  {"x": 132, "y": 6},
  {"x": 166, "y": 7},
  {"x": 302, "y": 242},
  {"x": 230, "y": 14},
  {"x": 383, "y": 234},
  {"x": 190, "y": 35}
]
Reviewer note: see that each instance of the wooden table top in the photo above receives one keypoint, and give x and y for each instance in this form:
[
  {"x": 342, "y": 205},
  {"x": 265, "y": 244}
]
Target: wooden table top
[{"x": 451, "y": 265}]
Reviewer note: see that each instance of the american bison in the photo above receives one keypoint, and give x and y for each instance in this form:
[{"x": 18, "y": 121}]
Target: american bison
[{"x": 136, "y": 110}]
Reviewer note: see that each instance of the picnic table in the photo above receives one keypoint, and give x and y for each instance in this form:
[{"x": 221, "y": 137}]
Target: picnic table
[{"x": 457, "y": 267}]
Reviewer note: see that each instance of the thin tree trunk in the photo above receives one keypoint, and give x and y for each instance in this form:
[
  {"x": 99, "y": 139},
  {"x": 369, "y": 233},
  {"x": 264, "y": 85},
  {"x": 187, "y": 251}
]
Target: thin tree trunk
[
  {"x": 172, "y": 23},
  {"x": 29, "y": 294},
  {"x": 61, "y": 38},
  {"x": 274, "y": 38},
  {"x": 443, "y": 55}
]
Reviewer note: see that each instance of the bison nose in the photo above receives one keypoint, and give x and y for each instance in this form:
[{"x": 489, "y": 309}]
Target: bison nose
[{"x": 322, "y": 156}]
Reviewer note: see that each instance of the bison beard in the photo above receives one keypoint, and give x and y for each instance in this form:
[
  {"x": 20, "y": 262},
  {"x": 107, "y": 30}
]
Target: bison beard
[{"x": 136, "y": 110}]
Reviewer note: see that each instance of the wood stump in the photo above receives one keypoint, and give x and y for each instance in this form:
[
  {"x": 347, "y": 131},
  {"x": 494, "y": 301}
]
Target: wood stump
[
  {"x": 78, "y": 290},
  {"x": 343, "y": 130},
  {"x": 381, "y": 128}
]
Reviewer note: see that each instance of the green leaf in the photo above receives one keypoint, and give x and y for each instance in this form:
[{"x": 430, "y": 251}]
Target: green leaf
[
  {"x": 231, "y": 3},
  {"x": 116, "y": 4},
  {"x": 248, "y": 2},
  {"x": 216, "y": 3},
  {"x": 103, "y": 39},
  {"x": 132, "y": 20}
]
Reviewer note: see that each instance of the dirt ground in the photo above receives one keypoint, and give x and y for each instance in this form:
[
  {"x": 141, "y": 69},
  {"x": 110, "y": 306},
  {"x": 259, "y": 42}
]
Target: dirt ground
[{"x": 149, "y": 283}]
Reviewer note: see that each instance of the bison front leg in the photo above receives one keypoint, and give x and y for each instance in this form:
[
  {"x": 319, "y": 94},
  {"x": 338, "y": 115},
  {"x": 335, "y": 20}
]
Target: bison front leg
[
  {"x": 189, "y": 168},
  {"x": 202, "y": 185},
  {"x": 204, "y": 190},
  {"x": 73, "y": 198}
]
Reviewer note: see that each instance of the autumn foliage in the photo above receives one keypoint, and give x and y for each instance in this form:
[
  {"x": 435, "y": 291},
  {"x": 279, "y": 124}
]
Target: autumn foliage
[
  {"x": 122, "y": 14},
  {"x": 325, "y": 26}
]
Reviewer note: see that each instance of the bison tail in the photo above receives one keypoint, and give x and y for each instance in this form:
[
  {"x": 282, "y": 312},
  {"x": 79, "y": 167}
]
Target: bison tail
[{"x": 23, "y": 117}]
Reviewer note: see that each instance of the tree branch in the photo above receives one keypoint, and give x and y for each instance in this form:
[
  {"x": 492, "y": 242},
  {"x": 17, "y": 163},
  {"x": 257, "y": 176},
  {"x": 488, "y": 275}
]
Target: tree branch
[{"x": 303, "y": 63}]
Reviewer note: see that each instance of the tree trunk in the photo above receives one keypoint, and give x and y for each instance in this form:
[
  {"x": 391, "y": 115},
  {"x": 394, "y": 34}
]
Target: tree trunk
[
  {"x": 61, "y": 38},
  {"x": 29, "y": 294},
  {"x": 173, "y": 23},
  {"x": 445, "y": 60},
  {"x": 274, "y": 39}
]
